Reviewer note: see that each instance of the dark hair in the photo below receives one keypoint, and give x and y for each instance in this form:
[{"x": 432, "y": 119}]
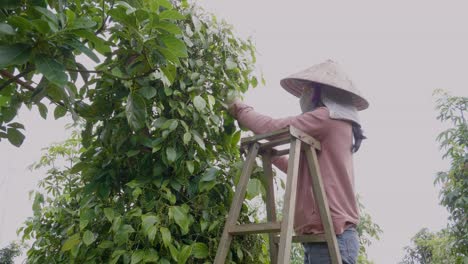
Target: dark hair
[{"x": 358, "y": 137}]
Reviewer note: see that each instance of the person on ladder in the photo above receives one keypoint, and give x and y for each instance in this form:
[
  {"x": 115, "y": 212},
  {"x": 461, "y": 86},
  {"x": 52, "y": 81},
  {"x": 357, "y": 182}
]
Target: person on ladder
[{"x": 330, "y": 104}]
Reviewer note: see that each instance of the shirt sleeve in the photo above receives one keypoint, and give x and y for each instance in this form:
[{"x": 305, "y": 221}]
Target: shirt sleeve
[{"x": 313, "y": 123}]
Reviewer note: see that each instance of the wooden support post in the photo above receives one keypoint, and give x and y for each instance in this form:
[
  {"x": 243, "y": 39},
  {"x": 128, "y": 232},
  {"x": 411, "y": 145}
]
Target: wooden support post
[
  {"x": 270, "y": 204},
  {"x": 236, "y": 205},
  {"x": 322, "y": 202},
  {"x": 289, "y": 202}
]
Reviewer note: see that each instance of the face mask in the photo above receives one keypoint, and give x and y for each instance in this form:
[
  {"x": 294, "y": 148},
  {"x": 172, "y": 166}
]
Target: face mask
[{"x": 306, "y": 101}]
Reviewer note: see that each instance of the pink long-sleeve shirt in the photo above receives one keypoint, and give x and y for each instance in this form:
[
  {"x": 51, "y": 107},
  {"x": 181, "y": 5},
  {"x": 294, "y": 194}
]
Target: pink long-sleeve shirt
[{"x": 335, "y": 162}]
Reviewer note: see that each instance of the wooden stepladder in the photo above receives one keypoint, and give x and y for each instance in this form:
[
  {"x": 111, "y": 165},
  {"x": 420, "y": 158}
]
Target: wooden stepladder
[{"x": 280, "y": 253}]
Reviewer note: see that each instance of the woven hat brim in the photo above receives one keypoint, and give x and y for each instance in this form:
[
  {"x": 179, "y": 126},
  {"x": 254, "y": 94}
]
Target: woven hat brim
[{"x": 294, "y": 86}]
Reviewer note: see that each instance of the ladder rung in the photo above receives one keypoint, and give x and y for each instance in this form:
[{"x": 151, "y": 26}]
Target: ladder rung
[
  {"x": 280, "y": 152},
  {"x": 274, "y": 143},
  {"x": 305, "y": 239},
  {"x": 273, "y": 227}
]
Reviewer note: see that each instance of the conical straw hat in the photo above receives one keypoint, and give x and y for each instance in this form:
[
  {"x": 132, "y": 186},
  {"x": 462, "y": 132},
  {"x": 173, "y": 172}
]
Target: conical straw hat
[{"x": 329, "y": 74}]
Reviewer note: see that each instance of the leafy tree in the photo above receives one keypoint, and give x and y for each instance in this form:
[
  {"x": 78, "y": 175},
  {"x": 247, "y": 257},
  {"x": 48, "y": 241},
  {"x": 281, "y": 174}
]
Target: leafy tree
[
  {"x": 449, "y": 245},
  {"x": 367, "y": 231},
  {"x": 430, "y": 247},
  {"x": 10, "y": 252},
  {"x": 454, "y": 183},
  {"x": 156, "y": 165}
]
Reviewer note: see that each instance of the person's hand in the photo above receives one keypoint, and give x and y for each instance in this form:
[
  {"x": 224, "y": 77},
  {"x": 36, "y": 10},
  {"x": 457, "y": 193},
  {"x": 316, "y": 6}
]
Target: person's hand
[{"x": 231, "y": 99}]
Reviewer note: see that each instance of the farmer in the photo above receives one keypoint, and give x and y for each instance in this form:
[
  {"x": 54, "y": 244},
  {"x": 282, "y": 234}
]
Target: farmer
[{"x": 330, "y": 104}]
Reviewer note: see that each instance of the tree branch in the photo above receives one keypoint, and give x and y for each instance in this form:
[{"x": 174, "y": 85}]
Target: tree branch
[
  {"x": 12, "y": 78},
  {"x": 88, "y": 71},
  {"x": 105, "y": 17},
  {"x": 26, "y": 85},
  {"x": 16, "y": 79}
]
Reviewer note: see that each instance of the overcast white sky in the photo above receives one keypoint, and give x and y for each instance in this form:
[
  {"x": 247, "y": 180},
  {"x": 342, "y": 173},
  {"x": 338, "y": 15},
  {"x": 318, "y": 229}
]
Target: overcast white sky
[{"x": 397, "y": 52}]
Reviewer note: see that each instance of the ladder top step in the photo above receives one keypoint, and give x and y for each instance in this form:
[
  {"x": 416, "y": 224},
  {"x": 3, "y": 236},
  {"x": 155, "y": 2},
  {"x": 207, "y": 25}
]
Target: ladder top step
[{"x": 281, "y": 136}]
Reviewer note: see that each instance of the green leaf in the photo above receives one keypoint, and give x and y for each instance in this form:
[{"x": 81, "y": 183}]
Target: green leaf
[
  {"x": 190, "y": 166},
  {"x": 171, "y": 154},
  {"x": 148, "y": 92},
  {"x": 198, "y": 139},
  {"x": 199, "y": 103},
  {"x": 71, "y": 242},
  {"x": 109, "y": 214},
  {"x": 200, "y": 250},
  {"x": 239, "y": 253},
  {"x": 88, "y": 237},
  {"x": 230, "y": 64},
  {"x": 184, "y": 254},
  {"x": 48, "y": 14},
  {"x": 4, "y": 100},
  {"x": 166, "y": 236},
  {"x": 170, "y": 72},
  {"x": 17, "y": 54},
  {"x": 152, "y": 233},
  {"x": 52, "y": 70},
  {"x": 187, "y": 137},
  {"x": 85, "y": 50},
  {"x": 151, "y": 255},
  {"x": 235, "y": 138},
  {"x": 106, "y": 244},
  {"x": 42, "y": 110},
  {"x": 209, "y": 175},
  {"x": 7, "y": 29},
  {"x": 171, "y": 14},
  {"x": 137, "y": 256},
  {"x": 21, "y": 23},
  {"x": 121, "y": 236},
  {"x": 130, "y": 9},
  {"x": 116, "y": 255},
  {"x": 168, "y": 55},
  {"x": 81, "y": 23},
  {"x": 100, "y": 44},
  {"x": 59, "y": 111},
  {"x": 15, "y": 137},
  {"x": 181, "y": 218},
  {"x": 169, "y": 27},
  {"x": 175, "y": 45},
  {"x": 254, "y": 188},
  {"x": 135, "y": 111},
  {"x": 170, "y": 124},
  {"x": 42, "y": 26},
  {"x": 147, "y": 221},
  {"x": 165, "y": 3},
  {"x": 174, "y": 252},
  {"x": 16, "y": 125}
]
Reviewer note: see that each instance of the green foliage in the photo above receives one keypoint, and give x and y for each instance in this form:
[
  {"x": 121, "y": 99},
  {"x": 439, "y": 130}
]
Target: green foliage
[
  {"x": 434, "y": 248},
  {"x": 150, "y": 179},
  {"x": 367, "y": 231},
  {"x": 454, "y": 183},
  {"x": 10, "y": 252}
]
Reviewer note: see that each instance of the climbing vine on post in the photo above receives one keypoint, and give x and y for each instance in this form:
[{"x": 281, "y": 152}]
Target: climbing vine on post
[{"x": 154, "y": 179}]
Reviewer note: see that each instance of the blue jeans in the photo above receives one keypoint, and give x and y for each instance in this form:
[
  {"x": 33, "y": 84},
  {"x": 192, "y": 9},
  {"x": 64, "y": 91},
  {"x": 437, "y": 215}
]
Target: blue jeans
[{"x": 348, "y": 242}]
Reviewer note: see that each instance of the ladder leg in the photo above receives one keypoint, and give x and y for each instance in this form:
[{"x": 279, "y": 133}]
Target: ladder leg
[
  {"x": 270, "y": 205},
  {"x": 322, "y": 201},
  {"x": 236, "y": 205},
  {"x": 289, "y": 205}
]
